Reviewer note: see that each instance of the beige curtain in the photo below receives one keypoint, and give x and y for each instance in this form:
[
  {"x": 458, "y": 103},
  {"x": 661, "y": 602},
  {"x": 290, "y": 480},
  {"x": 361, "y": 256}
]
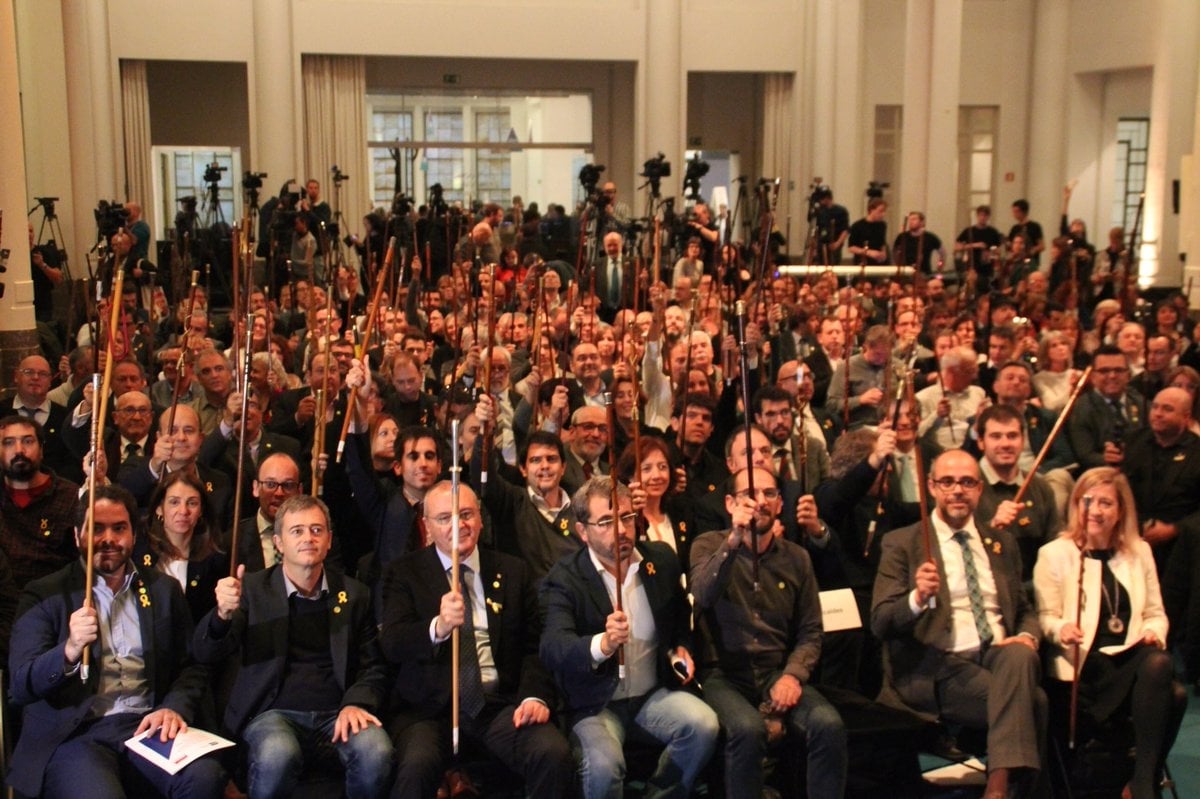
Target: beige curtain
[
  {"x": 776, "y": 153},
  {"x": 135, "y": 117},
  {"x": 335, "y": 125}
]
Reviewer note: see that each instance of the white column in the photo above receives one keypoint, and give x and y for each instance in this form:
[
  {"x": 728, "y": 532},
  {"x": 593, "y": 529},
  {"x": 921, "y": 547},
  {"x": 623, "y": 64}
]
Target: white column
[
  {"x": 664, "y": 92},
  {"x": 16, "y": 307},
  {"x": 1045, "y": 164},
  {"x": 1189, "y": 203},
  {"x": 92, "y": 112},
  {"x": 941, "y": 181},
  {"x": 914, "y": 143},
  {"x": 276, "y": 106},
  {"x": 849, "y": 172}
]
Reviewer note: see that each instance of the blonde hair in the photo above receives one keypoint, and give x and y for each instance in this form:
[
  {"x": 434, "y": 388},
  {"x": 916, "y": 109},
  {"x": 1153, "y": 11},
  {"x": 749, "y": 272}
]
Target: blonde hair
[{"x": 1126, "y": 532}]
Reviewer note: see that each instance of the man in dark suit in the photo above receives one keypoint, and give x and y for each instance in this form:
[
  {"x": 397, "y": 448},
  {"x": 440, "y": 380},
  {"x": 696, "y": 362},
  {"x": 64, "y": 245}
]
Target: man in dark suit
[
  {"x": 178, "y": 448},
  {"x": 142, "y": 678},
  {"x": 613, "y": 283},
  {"x": 32, "y": 381},
  {"x": 959, "y": 633},
  {"x": 220, "y": 448},
  {"x": 311, "y": 670},
  {"x": 277, "y": 479},
  {"x": 131, "y": 437},
  {"x": 1106, "y": 414},
  {"x": 583, "y": 634},
  {"x": 831, "y": 340},
  {"x": 505, "y": 692},
  {"x": 586, "y": 439}
]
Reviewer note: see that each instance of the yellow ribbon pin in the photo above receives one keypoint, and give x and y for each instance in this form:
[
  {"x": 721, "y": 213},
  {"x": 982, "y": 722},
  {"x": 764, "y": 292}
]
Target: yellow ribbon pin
[
  {"x": 145, "y": 600},
  {"x": 342, "y": 598},
  {"x": 649, "y": 568},
  {"x": 147, "y": 561}
]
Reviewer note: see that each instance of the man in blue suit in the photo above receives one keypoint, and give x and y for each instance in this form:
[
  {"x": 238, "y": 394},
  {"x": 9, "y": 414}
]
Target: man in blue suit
[
  {"x": 311, "y": 674},
  {"x": 141, "y": 676},
  {"x": 583, "y": 634}
]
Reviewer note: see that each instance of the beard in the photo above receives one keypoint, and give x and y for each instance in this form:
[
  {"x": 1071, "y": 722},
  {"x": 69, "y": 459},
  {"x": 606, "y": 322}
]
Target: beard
[{"x": 21, "y": 468}]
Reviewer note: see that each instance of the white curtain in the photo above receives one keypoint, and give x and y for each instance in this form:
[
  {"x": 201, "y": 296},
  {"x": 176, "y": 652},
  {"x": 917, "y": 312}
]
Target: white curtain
[
  {"x": 335, "y": 129},
  {"x": 135, "y": 117},
  {"x": 776, "y": 153}
]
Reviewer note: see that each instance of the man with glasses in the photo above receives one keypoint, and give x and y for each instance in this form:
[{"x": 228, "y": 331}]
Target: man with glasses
[
  {"x": 775, "y": 413},
  {"x": 505, "y": 691},
  {"x": 960, "y": 633},
  {"x": 587, "y": 438},
  {"x": 174, "y": 450},
  {"x": 32, "y": 379},
  {"x": 622, "y": 669},
  {"x": 761, "y": 623},
  {"x": 1107, "y": 413},
  {"x": 131, "y": 437},
  {"x": 312, "y": 679},
  {"x": 277, "y": 480}
]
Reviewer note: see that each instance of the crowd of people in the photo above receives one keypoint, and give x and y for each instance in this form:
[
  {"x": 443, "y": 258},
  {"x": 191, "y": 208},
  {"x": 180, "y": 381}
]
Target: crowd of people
[{"x": 1000, "y": 467}]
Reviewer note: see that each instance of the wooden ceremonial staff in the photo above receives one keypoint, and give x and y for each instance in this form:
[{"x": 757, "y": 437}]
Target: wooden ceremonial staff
[
  {"x": 183, "y": 349},
  {"x": 1054, "y": 431},
  {"x": 361, "y": 348},
  {"x": 455, "y": 471},
  {"x": 922, "y": 488},
  {"x": 323, "y": 399},
  {"x": 241, "y": 456},
  {"x": 485, "y": 386},
  {"x": 100, "y": 390},
  {"x": 743, "y": 368},
  {"x": 618, "y": 529},
  {"x": 1077, "y": 661},
  {"x": 682, "y": 388}
]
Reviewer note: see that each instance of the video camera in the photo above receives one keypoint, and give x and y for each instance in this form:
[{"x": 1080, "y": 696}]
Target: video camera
[
  {"x": 696, "y": 169},
  {"x": 212, "y": 173},
  {"x": 654, "y": 170},
  {"x": 875, "y": 189},
  {"x": 252, "y": 181},
  {"x": 110, "y": 217}
]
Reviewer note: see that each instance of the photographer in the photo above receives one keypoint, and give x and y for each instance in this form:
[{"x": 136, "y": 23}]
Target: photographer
[
  {"x": 318, "y": 210},
  {"x": 831, "y": 226}
]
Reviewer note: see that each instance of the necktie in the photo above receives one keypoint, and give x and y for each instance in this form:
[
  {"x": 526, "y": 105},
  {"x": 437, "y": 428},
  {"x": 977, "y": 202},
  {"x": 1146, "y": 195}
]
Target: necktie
[
  {"x": 614, "y": 283},
  {"x": 588, "y": 470},
  {"x": 470, "y": 679},
  {"x": 1117, "y": 409},
  {"x": 974, "y": 593},
  {"x": 908, "y": 489},
  {"x": 30, "y": 413},
  {"x": 132, "y": 450},
  {"x": 785, "y": 468}
]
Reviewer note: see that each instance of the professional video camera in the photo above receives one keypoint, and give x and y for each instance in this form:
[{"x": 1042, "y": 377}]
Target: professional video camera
[
  {"x": 875, "y": 189},
  {"x": 252, "y": 181},
  {"x": 817, "y": 191},
  {"x": 110, "y": 217},
  {"x": 437, "y": 200},
  {"x": 212, "y": 173},
  {"x": 654, "y": 171},
  {"x": 338, "y": 174},
  {"x": 696, "y": 169},
  {"x": 589, "y": 176}
]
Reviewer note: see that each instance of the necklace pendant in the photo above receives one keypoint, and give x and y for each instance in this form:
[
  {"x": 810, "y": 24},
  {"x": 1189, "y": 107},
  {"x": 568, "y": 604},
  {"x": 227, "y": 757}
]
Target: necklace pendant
[{"x": 1115, "y": 625}]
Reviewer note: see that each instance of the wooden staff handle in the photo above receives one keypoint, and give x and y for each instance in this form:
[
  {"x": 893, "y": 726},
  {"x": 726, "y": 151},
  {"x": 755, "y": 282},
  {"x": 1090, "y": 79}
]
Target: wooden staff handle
[
  {"x": 241, "y": 456},
  {"x": 1054, "y": 431},
  {"x": 372, "y": 312},
  {"x": 615, "y": 506},
  {"x": 455, "y": 586}
]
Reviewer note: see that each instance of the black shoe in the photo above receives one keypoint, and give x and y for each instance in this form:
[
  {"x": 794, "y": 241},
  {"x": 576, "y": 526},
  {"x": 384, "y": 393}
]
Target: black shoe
[{"x": 946, "y": 747}]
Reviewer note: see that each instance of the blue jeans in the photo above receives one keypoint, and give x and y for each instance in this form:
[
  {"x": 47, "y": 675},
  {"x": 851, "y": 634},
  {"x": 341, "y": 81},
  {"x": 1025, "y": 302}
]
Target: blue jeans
[
  {"x": 686, "y": 725},
  {"x": 281, "y": 742},
  {"x": 813, "y": 718}
]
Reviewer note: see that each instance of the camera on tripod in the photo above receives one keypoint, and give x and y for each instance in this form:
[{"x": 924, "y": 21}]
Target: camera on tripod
[
  {"x": 696, "y": 169},
  {"x": 589, "y": 176},
  {"x": 212, "y": 173},
  {"x": 654, "y": 170},
  {"x": 875, "y": 189},
  {"x": 110, "y": 217},
  {"x": 251, "y": 181},
  {"x": 338, "y": 174}
]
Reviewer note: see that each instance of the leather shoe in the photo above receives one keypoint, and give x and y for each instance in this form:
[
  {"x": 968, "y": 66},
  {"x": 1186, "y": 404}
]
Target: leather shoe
[{"x": 460, "y": 785}]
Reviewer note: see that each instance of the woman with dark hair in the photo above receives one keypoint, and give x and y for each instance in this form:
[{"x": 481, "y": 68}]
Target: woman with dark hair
[
  {"x": 1121, "y": 634},
  {"x": 181, "y": 540},
  {"x": 666, "y": 516},
  {"x": 382, "y": 431}
]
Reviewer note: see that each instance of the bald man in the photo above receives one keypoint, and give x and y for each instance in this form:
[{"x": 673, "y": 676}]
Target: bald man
[
  {"x": 32, "y": 379},
  {"x": 1162, "y": 462},
  {"x": 960, "y": 632}
]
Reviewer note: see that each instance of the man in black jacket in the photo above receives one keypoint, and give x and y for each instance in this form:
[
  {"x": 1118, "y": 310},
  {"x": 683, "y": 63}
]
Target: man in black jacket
[{"x": 505, "y": 692}]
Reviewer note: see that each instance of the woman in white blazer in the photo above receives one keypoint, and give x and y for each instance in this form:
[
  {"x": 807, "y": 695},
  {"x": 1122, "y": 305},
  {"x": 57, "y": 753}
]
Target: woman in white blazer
[{"x": 1122, "y": 632}]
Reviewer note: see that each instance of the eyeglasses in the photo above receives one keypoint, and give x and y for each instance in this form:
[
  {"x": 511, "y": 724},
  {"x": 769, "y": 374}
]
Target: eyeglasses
[
  {"x": 135, "y": 411},
  {"x": 275, "y": 485},
  {"x": 464, "y": 517},
  {"x": 948, "y": 483},
  {"x": 606, "y": 524},
  {"x": 769, "y": 494},
  {"x": 44, "y": 375},
  {"x": 591, "y": 427}
]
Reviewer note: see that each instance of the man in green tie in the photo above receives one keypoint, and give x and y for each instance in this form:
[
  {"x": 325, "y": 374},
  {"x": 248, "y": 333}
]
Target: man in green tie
[{"x": 960, "y": 633}]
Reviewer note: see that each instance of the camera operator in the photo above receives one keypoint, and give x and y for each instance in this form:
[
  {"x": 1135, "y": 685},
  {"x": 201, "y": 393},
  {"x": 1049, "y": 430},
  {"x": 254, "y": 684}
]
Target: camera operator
[
  {"x": 616, "y": 212},
  {"x": 318, "y": 210},
  {"x": 45, "y": 266},
  {"x": 702, "y": 225},
  {"x": 832, "y": 224},
  {"x": 139, "y": 229}
]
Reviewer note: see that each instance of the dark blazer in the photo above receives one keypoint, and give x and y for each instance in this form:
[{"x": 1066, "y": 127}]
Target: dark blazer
[
  {"x": 249, "y": 549},
  {"x": 57, "y": 458},
  {"x": 910, "y": 641},
  {"x": 135, "y": 476},
  {"x": 257, "y": 636},
  {"x": 575, "y": 605},
  {"x": 221, "y": 454},
  {"x": 1092, "y": 423},
  {"x": 573, "y": 477},
  {"x": 822, "y": 372},
  {"x": 78, "y": 443},
  {"x": 412, "y": 595},
  {"x": 202, "y": 576},
  {"x": 56, "y": 703},
  {"x": 600, "y": 268}
]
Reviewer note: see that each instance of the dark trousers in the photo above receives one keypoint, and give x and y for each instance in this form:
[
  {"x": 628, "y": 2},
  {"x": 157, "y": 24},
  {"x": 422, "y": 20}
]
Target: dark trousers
[
  {"x": 95, "y": 763},
  {"x": 813, "y": 719},
  {"x": 538, "y": 752}
]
